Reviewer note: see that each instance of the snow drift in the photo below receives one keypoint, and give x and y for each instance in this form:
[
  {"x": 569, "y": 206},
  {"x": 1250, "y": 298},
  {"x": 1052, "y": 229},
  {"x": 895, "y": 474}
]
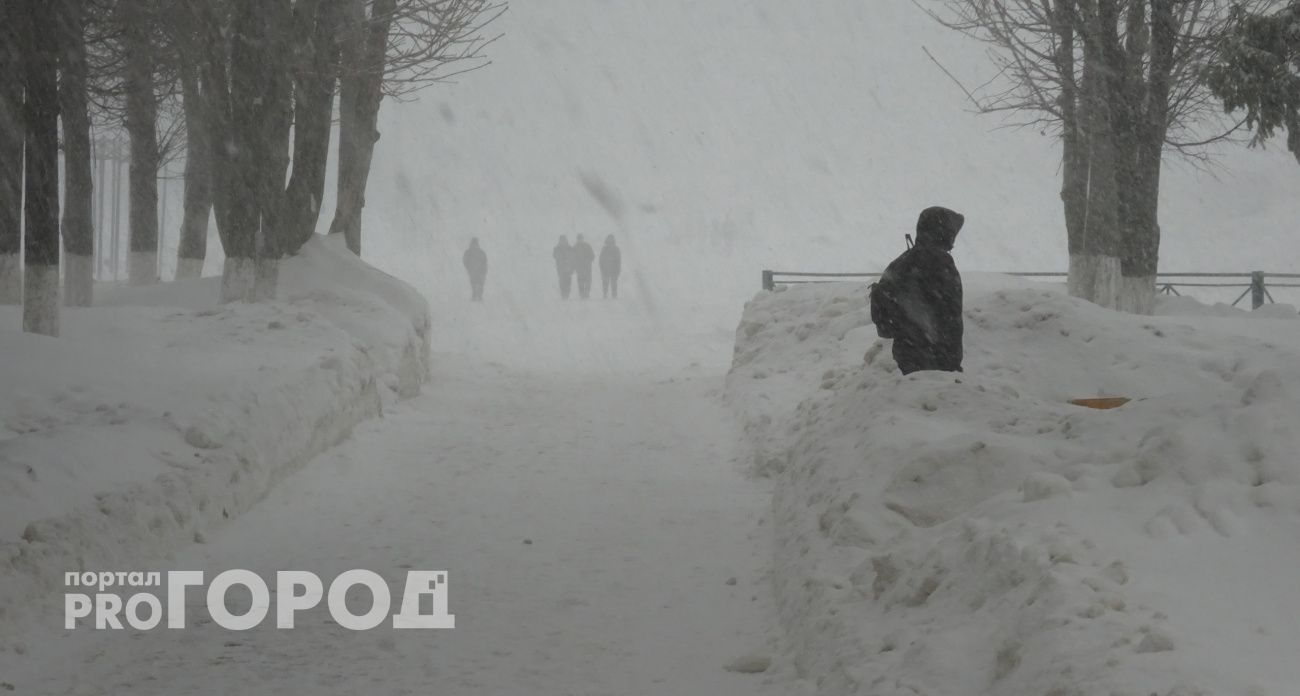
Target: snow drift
[
  {"x": 162, "y": 413},
  {"x": 976, "y": 534}
]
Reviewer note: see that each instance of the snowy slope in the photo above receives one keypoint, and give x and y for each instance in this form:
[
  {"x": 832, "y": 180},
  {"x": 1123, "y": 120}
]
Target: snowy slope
[
  {"x": 975, "y": 534},
  {"x": 162, "y": 413},
  {"x": 716, "y": 138}
]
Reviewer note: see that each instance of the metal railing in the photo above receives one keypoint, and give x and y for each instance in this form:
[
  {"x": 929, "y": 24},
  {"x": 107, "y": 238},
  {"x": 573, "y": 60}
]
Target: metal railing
[{"x": 1257, "y": 284}]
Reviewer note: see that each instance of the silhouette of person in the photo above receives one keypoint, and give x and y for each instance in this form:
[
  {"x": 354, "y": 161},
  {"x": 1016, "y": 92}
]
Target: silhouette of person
[
  {"x": 918, "y": 300},
  {"x": 611, "y": 262},
  {"x": 476, "y": 265},
  {"x": 583, "y": 257},
  {"x": 563, "y": 254}
]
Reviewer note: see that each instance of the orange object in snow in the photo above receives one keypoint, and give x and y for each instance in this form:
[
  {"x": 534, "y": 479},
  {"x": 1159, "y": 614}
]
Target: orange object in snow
[{"x": 1101, "y": 403}]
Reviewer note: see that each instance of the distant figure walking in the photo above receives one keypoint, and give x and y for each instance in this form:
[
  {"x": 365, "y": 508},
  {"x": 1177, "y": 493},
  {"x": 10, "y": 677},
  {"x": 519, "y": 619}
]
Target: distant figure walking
[
  {"x": 564, "y": 265},
  {"x": 611, "y": 262},
  {"x": 476, "y": 264},
  {"x": 918, "y": 300},
  {"x": 583, "y": 257}
]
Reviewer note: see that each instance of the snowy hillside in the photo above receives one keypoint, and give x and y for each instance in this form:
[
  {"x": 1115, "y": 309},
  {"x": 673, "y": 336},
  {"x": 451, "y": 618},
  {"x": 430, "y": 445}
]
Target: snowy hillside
[
  {"x": 716, "y": 138},
  {"x": 976, "y": 534}
]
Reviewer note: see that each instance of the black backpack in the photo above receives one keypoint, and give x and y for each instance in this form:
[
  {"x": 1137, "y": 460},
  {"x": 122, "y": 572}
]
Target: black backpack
[{"x": 884, "y": 302}]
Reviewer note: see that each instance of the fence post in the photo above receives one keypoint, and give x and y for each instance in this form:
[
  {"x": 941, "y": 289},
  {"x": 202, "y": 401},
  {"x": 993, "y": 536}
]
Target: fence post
[
  {"x": 768, "y": 283},
  {"x": 1257, "y": 292}
]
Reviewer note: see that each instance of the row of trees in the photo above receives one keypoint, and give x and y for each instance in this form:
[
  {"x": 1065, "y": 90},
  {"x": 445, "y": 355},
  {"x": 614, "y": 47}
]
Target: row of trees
[
  {"x": 253, "y": 84},
  {"x": 1120, "y": 84}
]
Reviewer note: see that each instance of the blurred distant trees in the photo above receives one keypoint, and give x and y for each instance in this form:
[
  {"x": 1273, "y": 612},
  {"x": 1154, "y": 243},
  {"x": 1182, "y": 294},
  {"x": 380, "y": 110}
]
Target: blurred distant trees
[
  {"x": 246, "y": 86},
  {"x": 1117, "y": 82},
  {"x": 393, "y": 48}
]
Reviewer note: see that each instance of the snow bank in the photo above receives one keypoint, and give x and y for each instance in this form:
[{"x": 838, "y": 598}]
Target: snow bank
[
  {"x": 977, "y": 534},
  {"x": 161, "y": 413}
]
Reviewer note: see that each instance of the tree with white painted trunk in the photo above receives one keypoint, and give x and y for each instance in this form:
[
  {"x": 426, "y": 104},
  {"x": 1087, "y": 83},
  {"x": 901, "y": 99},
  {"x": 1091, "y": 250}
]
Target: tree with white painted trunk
[
  {"x": 40, "y": 41},
  {"x": 11, "y": 154},
  {"x": 245, "y": 63},
  {"x": 1117, "y": 82}
]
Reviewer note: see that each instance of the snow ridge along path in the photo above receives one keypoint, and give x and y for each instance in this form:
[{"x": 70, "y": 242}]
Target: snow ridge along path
[
  {"x": 159, "y": 414},
  {"x": 591, "y": 527}
]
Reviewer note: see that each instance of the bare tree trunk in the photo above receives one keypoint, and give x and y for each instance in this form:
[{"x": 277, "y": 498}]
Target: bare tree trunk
[
  {"x": 41, "y": 112},
  {"x": 1098, "y": 266},
  {"x": 142, "y": 126},
  {"x": 364, "y": 53},
  {"x": 1150, "y": 94},
  {"x": 193, "y": 247},
  {"x": 1074, "y": 152},
  {"x": 316, "y": 33},
  {"x": 236, "y": 197},
  {"x": 253, "y": 122},
  {"x": 214, "y": 58},
  {"x": 11, "y": 153},
  {"x": 274, "y": 121},
  {"x": 78, "y": 194}
]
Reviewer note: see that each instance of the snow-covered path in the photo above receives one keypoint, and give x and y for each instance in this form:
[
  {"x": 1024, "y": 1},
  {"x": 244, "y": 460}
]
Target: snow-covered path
[{"x": 589, "y": 527}]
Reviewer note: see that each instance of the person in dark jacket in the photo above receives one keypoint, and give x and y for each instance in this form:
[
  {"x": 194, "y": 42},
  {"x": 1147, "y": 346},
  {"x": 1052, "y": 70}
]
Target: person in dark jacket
[
  {"x": 475, "y": 260},
  {"x": 611, "y": 262},
  {"x": 583, "y": 257},
  {"x": 918, "y": 300},
  {"x": 564, "y": 266}
]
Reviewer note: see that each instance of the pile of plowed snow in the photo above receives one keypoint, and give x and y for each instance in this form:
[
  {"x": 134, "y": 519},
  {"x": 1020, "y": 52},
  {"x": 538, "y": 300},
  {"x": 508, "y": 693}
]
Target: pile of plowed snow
[
  {"x": 160, "y": 413},
  {"x": 976, "y": 533}
]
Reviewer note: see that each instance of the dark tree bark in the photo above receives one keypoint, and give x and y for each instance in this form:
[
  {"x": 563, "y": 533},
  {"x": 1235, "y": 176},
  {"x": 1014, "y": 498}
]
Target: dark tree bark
[
  {"x": 214, "y": 50},
  {"x": 1074, "y": 152},
  {"x": 316, "y": 28},
  {"x": 142, "y": 127},
  {"x": 1149, "y": 94},
  {"x": 1096, "y": 272},
  {"x": 78, "y": 195},
  {"x": 364, "y": 52},
  {"x": 1118, "y": 77},
  {"x": 251, "y": 123},
  {"x": 193, "y": 247},
  {"x": 12, "y": 126},
  {"x": 41, "y": 116},
  {"x": 273, "y": 117}
]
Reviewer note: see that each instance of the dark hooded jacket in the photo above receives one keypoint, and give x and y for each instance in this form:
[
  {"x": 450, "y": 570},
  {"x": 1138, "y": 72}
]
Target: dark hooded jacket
[
  {"x": 611, "y": 259},
  {"x": 563, "y": 254},
  {"x": 475, "y": 260},
  {"x": 583, "y": 256},
  {"x": 918, "y": 300}
]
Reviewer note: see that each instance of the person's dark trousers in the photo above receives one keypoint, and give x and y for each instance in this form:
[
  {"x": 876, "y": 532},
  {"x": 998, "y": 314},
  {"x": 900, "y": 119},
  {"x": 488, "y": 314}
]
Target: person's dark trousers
[
  {"x": 476, "y": 289},
  {"x": 584, "y": 285},
  {"x": 917, "y": 358},
  {"x": 566, "y": 285},
  {"x": 609, "y": 286}
]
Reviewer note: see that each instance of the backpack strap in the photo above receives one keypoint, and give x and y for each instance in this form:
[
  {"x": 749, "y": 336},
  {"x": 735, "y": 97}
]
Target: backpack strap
[{"x": 908, "y": 237}]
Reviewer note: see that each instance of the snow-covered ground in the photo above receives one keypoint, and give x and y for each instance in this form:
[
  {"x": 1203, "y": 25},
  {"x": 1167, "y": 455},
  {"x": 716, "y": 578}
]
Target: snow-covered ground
[
  {"x": 977, "y": 534},
  {"x": 161, "y": 413},
  {"x": 590, "y": 527},
  {"x": 575, "y": 473}
]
